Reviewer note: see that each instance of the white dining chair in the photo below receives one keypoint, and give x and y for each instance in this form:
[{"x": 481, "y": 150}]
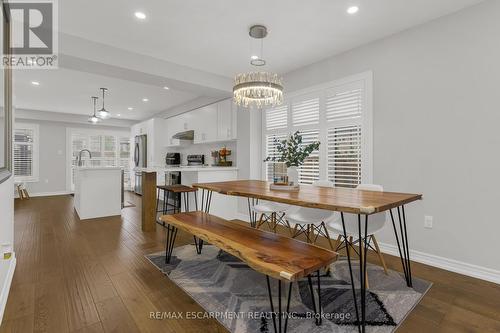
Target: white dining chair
[
  {"x": 376, "y": 222},
  {"x": 312, "y": 221},
  {"x": 272, "y": 214}
]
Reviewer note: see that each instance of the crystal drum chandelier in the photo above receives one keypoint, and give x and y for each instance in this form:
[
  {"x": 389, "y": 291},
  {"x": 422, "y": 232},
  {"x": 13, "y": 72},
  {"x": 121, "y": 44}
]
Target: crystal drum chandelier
[{"x": 258, "y": 88}]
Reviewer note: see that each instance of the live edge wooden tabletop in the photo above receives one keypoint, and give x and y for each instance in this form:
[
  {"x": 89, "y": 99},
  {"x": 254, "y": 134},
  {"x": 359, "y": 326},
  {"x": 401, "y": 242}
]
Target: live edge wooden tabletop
[
  {"x": 336, "y": 199},
  {"x": 278, "y": 256}
]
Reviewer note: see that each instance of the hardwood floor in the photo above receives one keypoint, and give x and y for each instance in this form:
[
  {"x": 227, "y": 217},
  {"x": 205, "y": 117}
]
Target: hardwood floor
[{"x": 91, "y": 276}]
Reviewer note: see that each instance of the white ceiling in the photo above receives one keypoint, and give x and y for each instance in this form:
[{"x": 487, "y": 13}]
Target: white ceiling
[
  {"x": 69, "y": 91},
  {"x": 209, "y": 36},
  {"x": 213, "y": 35}
]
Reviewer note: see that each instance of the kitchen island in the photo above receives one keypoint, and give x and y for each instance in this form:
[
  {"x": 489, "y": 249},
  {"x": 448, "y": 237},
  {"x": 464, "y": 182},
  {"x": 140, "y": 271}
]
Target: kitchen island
[{"x": 98, "y": 191}]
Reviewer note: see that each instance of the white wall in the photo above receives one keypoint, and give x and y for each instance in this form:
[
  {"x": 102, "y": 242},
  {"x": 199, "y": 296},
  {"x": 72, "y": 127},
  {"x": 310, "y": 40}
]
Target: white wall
[
  {"x": 6, "y": 237},
  {"x": 6, "y": 213},
  {"x": 436, "y": 118},
  {"x": 249, "y": 149},
  {"x": 52, "y": 155}
]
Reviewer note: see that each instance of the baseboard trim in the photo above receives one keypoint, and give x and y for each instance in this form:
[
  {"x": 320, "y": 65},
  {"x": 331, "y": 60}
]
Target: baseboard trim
[
  {"x": 49, "y": 194},
  {"x": 452, "y": 265},
  {"x": 243, "y": 217},
  {"x": 4, "y": 292}
]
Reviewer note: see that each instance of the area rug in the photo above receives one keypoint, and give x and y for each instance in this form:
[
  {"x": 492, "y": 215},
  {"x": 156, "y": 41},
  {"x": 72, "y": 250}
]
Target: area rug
[{"x": 237, "y": 296}]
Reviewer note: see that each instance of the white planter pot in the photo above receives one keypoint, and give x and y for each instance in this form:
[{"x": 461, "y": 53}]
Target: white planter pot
[{"x": 293, "y": 175}]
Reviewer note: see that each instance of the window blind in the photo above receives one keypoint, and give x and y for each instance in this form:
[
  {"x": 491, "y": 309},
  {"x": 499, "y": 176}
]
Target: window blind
[
  {"x": 342, "y": 105},
  {"x": 277, "y": 117},
  {"x": 344, "y": 156},
  {"x": 305, "y": 112},
  {"x": 309, "y": 171},
  {"x": 339, "y": 115},
  {"x": 25, "y": 139}
]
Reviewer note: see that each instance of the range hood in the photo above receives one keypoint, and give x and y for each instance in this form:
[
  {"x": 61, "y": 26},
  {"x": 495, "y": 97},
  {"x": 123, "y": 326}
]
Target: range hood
[{"x": 186, "y": 135}]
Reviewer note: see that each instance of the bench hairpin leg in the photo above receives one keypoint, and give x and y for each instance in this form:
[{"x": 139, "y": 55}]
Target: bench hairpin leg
[
  {"x": 282, "y": 327},
  {"x": 317, "y": 309},
  {"x": 171, "y": 234}
]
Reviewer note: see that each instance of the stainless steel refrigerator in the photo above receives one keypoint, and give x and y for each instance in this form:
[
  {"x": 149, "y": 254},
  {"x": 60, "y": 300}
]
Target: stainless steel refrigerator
[{"x": 140, "y": 160}]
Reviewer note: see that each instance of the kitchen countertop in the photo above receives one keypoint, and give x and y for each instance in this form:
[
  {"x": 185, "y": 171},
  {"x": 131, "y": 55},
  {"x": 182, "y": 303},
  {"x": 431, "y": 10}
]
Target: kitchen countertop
[
  {"x": 186, "y": 169},
  {"x": 98, "y": 168}
]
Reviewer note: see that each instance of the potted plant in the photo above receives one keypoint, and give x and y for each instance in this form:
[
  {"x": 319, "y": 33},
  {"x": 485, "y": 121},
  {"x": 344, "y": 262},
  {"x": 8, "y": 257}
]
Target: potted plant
[{"x": 293, "y": 153}]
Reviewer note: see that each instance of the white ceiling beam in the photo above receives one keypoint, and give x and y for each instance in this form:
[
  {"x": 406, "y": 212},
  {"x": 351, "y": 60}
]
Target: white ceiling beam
[
  {"x": 25, "y": 114},
  {"x": 83, "y": 55}
]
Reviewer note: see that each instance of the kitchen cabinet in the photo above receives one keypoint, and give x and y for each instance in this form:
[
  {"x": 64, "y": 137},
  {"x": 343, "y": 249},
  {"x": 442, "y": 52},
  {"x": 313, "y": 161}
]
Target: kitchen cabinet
[
  {"x": 175, "y": 125},
  {"x": 204, "y": 124},
  {"x": 154, "y": 129},
  {"x": 226, "y": 120},
  {"x": 212, "y": 123}
]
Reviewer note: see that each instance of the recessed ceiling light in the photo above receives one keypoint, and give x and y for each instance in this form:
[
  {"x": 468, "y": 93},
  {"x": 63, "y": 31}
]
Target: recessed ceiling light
[
  {"x": 166, "y": 88},
  {"x": 118, "y": 115},
  {"x": 254, "y": 57},
  {"x": 130, "y": 109},
  {"x": 35, "y": 83},
  {"x": 145, "y": 100},
  {"x": 140, "y": 15},
  {"x": 352, "y": 10}
]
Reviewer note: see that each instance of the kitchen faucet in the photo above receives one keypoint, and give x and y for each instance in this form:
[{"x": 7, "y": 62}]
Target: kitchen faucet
[{"x": 79, "y": 161}]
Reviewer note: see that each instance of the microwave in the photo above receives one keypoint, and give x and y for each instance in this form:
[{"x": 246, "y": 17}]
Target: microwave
[{"x": 173, "y": 159}]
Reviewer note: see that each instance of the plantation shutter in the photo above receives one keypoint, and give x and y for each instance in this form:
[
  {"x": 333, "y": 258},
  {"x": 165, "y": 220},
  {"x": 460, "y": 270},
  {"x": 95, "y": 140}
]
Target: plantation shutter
[
  {"x": 24, "y": 163},
  {"x": 78, "y": 142},
  {"x": 344, "y": 112},
  {"x": 277, "y": 118},
  {"x": 107, "y": 150},
  {"x": 309, "y": 171},
  {"x": 124, "y": 158},
  {"x": 305, "y": 111},
  {"x": 339, "y": 115},
  {"x": 344, "y": 156},
  {"x": 274, "y": 169}
]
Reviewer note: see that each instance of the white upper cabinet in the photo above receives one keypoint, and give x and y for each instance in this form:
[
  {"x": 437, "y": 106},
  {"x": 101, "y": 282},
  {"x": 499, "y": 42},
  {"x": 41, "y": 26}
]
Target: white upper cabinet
[
  {"x": 205, "y": 124},
  {"x": 211, "y": 123},
  {"x": 175, "y": 125},
  {"x": 225, "y": 115}
]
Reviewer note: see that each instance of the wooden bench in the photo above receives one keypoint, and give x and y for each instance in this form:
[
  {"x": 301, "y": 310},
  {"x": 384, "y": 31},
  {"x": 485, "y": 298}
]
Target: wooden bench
[{"x": 274, "y": 255}]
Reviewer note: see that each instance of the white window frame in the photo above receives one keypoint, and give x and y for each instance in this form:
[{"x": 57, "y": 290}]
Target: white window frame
[
  {"x": 367, "y": 124},
  {"x": 36, "y": 146},
  {"x": 87, "y": 132}
]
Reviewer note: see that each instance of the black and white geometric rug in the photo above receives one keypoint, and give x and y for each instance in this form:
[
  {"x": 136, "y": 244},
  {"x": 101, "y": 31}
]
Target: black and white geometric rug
[{"x": 237, "y": 296}]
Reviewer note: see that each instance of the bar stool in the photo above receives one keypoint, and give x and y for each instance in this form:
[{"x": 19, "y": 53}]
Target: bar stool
[{"x": 179, "y": 193}]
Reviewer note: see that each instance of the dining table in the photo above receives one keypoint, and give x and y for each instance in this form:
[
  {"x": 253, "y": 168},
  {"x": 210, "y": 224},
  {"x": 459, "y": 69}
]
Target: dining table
[{"x": 362, "y": 203}]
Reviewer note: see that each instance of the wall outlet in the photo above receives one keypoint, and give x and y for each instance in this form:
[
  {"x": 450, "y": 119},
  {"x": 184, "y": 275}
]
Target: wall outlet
[
  {"x": 428, "y": 221},
  {"x": 46, "y": 181}
]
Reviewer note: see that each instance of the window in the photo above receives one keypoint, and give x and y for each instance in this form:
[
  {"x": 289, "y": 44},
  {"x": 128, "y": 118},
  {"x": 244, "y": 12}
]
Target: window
[
  {"x": 106, "y": 150},
  {"x": 25, "y": 147},
  {"x": 338, "y": 114}
]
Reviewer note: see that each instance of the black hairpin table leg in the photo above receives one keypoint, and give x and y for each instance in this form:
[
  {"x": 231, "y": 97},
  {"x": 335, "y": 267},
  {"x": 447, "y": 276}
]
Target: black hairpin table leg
[
  {"x": 171, "y": 235},
  {"x": 251, "y": 213},
  {"x": 403, "y": 246}
]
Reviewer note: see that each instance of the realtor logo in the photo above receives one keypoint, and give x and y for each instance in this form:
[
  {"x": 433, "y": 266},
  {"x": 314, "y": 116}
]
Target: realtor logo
[{"x": 34, "y": 38}]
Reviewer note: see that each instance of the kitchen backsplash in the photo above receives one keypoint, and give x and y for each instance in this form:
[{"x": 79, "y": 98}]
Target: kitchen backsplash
[{"x": 205, "y": 149}]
